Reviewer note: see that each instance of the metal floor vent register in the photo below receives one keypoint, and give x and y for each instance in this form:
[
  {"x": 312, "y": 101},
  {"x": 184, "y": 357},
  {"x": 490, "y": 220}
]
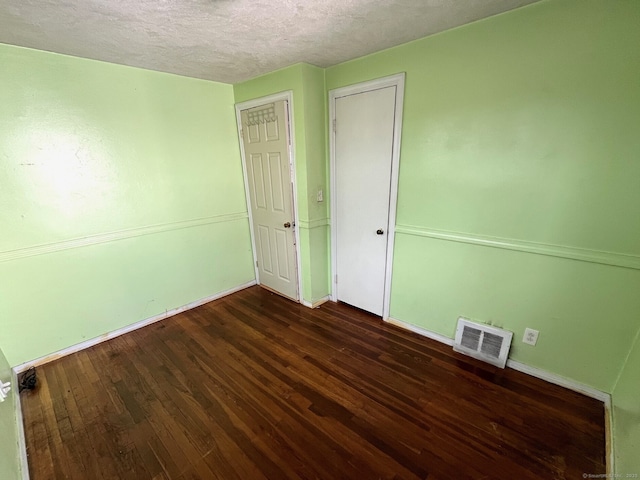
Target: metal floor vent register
[{"x": 483, "y": 342}]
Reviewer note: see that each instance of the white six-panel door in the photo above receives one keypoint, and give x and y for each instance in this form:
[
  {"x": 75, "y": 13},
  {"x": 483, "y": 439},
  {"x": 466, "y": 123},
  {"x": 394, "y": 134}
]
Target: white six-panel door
[
  {"x": 266, "y": 152},
  {"x": 363, "y": 154}
]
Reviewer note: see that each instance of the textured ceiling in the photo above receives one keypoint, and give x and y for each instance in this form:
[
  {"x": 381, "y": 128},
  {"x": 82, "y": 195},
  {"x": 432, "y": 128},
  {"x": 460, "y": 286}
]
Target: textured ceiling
[{"x": 231, "y": 40}]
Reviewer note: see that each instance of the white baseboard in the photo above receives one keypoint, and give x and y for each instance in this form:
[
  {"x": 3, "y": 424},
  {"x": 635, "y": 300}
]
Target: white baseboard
[
  {"x": 609, "y": 444},
  {"x": 129, "y": 328},
  {"x": 519, "y": 366},
  {"x": 421, "y": 331},
  {"x": 561, "y": 381},
  {"x": 317, "y": 303},
  {"x": 22, "y": 443}
]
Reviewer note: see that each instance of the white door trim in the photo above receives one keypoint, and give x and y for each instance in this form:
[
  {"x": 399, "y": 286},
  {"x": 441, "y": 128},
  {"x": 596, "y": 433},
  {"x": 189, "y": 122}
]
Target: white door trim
[
  {"x": 393, "y": 80},
  {"x": 288, "y": 96}
]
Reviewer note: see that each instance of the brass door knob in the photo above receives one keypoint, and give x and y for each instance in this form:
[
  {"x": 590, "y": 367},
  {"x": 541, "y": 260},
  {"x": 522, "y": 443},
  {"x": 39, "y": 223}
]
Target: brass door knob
[
  {"x": 287, "y": 225},
  {"x": 379, "y": 231}
]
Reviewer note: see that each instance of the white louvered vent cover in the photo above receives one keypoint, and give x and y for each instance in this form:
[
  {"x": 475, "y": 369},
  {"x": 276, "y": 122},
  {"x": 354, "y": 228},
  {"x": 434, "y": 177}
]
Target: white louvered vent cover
[{"x": 483, "y": 342}]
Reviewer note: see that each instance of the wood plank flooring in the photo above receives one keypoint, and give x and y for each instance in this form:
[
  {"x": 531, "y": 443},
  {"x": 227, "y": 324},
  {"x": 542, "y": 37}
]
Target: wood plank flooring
[{"x": 253, "y": 386}]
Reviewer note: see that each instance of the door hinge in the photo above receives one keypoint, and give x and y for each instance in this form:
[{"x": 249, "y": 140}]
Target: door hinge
[
  {"x": 257, "y": 263},
  {"x": 336, "y": 278},
  {"x": 242, "y": 133},
  {"x": 334, "y": 125}
]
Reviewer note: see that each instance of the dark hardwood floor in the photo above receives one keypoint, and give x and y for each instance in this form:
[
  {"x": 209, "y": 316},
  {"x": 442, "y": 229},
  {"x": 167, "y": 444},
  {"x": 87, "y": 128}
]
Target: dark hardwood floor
[{"x": 253, "y": 386}]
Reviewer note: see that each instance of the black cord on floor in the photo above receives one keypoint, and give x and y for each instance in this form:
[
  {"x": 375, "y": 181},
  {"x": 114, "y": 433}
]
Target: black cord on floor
[{"x": 27, "y": 380}]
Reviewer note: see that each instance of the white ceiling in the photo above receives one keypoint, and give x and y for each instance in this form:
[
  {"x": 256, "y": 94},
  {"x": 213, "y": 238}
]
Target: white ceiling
[{"x": 231, "y": 40}]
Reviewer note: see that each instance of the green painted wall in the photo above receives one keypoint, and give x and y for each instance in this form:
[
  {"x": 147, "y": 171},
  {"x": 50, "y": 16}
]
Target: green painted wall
[
  {"x": 309, "y": 119},
  {"x": 122, "y": 197},
  {"x": 9, "y": 451},
  {"x": 523, "y": 127},
  {"x": 317, "y": 228},
  {"x": 626, "y": 415}
]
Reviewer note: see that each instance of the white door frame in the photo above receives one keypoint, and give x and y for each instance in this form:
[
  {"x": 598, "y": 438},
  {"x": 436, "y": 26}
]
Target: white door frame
[
  {"x": 288, "y": 96},
  {"x": 392, "y": 80}
]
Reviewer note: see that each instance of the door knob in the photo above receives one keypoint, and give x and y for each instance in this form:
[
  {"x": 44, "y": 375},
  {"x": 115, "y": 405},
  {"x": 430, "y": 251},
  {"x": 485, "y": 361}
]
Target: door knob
[
  {"x": 287, "y": 225},
  {"x": 379, "y": 231}
]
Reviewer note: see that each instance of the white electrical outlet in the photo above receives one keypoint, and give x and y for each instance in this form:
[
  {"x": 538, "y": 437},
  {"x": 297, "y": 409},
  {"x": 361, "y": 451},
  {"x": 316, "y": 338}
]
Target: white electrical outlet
[
  {"x": 530, "y": 336},
  {"x": 320, "y": 196},
  {"x": 4, "y": 390}
]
